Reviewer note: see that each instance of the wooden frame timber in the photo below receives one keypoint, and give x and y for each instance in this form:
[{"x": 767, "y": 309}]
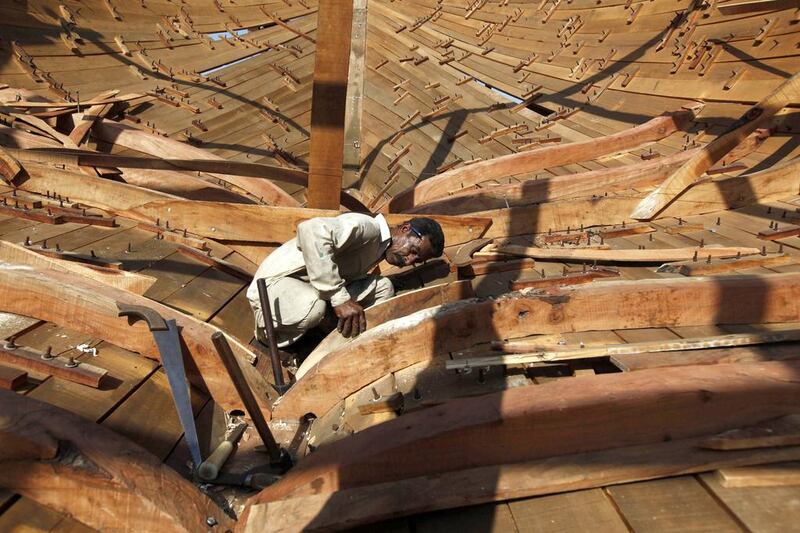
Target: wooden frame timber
[
  {"x": 91, "y": 307},
  {"x": 91, "y": 473},
  {"x": 560, "y": 418},
  {"x": 328, "y": 101},
  {"x": 757, "y": 116},
  {"x": 532, "y": 160},
  {"x": 399, "y": 306},
  {"x": 129, "y": 281},
  {"x": 648, "y": 303},
  {"x": 778, "y": 181},
  {"x": 218, "y": 220}
]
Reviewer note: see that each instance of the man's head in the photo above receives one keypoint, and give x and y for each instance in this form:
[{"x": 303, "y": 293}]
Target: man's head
[{"x": 415, "y": 241}]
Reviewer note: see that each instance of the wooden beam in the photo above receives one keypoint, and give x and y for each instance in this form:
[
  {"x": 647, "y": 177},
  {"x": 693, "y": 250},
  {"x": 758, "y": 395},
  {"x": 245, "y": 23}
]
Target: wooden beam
[
  {"x": 770, "y": 475},
  {"x": 783, "y": 431},
  {"x": 9, "y": 167},
  {"x": 86, "y": 120},
  {"x": 690, "y": 172},
  {"x": 23, "y": 104},
  {"x": 349, "y": 508},
  {"x": 91, "y": 307},
  {"x": 328, "y": 100},
  {"x": 425, "y": 334},
  {"x": 572, "y": 278},
  {"x": 102, "y": 479},
  {"x": 534, "y": 191},
  {"x": 218, "y": 220},
  {"x": 651, "y": 255},
  {"x": 532, "y": 160},
  {"x": 544, "y": 421},
  {"x": 546, "y": 356},
  {"x": 399, "y": 306},
  {"x": 712, "y": 356},
  {"x": 136, "y": 139},
  {"x": 704, "y": 266},
  {"x": 774, "y": 183},
  {"x": 53, "y": 365}
]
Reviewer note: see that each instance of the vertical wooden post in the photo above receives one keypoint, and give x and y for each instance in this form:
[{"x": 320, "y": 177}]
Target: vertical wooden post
[
  {"x": 355, "y": 90},
  {"x": 334, "y": 24}
]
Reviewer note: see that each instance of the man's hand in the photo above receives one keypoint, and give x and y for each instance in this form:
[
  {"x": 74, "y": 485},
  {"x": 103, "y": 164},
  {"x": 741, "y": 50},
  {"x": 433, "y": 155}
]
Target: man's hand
[{"x": 352, "y": 321}]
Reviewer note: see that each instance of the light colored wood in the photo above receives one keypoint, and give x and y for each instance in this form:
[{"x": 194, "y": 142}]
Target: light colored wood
[
  {"x": 771, "y": 475},
  {"x": 520, "y": 424},
  {"x": 764, "y": 352},
  {"x": 649, "y": 255},
  {"x": 91, "y": 307},
  {"x": 129, "y": 281},
  {"x": 778, "y": 181},
  {"x": 22, "y": 104},
  {"x": 86, "y": 120},
  {"x": 690, "y": 172},
  {"x": 364, "y": 505},
  {"x": 685, "y": 344},
  {"x": 532, "y": 160},
  {"x": 111, "y": 482},
  {"x": 9, "y": 167},
  {"x": 703, "y": 267},
  {"x": 673, "y": 504},
  {"x": 401, "y": 305},
  {"x": 784, "y": 431},
  {"x": 425, "y": 334}
]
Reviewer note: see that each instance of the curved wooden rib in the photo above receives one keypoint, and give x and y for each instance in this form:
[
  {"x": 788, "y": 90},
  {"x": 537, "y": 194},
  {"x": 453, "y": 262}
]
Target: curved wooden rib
[
  {"x": 9, "y": 167},
  {"x": 348, "y": 508},
  {"x": 774, "y": 183},
  {"x": 564, "y": 417},
  {"x": 396, "y": 307},
  {"x": 533, "y": 160},
  {"x": 647, "y": 174},
  {"x": 91, "y": 307},
  {"x": 98, "y": 477},
  {"x": 218, "y": 220},
  {"x": 121, "y": 279},
  {"x": 594, "y": 182},
  {"x": 652, "y": 303},
  {"x": 145, "y": 142},
  {"x": 690, "y": 172}
]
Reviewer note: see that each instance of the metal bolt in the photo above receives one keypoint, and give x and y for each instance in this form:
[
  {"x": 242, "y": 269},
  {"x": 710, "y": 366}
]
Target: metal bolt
[
  {"x": 211, "y": 521},
  {"x": 58, "y": 248},
  {"x": 44, "y": 244},
  {"x": 718, "y": 221},
  {"x": 375, "y": 394},
  {"x": 91, "y": 253},
  {"x": 48, "y": 354},
  {"x": 482, "y": 375},
  {"x": 708, "y": 261},
  {"x": 10, "y": 344},
  {"x": 763, "y": 250},
  {"x": 702, "y": 242},
  {"x": 694, "y": 257},
  {"x": 71, "y": 363},
  {"x": 129, "y": 250},
  {"x": 27, "y": 241},
  {"x": 780, "y": 248}
]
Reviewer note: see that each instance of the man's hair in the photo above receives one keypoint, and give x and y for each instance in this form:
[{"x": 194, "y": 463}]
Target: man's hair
[{"x": 431, "y": 228}]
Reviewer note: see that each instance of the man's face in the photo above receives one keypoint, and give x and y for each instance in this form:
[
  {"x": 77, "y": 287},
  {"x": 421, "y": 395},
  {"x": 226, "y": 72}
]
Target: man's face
[{"x": 408, "y": 248}]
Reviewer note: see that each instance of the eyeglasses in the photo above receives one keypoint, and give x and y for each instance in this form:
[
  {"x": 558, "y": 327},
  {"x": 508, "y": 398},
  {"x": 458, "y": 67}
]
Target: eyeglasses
[{"x": 416, "y": 232}]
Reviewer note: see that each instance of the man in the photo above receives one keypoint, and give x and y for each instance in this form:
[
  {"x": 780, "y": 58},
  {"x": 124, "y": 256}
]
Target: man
[{"x": 330, "y": 261}]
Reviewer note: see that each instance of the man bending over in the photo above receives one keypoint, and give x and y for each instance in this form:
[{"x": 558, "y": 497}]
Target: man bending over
[{"x": 330, "y": 261}]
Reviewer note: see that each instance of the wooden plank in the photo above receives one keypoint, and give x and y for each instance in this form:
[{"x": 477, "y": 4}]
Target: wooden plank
[
  {"x": 556, "y": 474},
  {"x": 52, "y": 364},
  {"x": 148, "y": 417},
  {"x": 613, "y": 350},
  {"x": 422, "y": 442},
  {"x": 532, "y": 160},
  {"x": 783, "y": 431},
  {"x": 649, "y": 255},
  {"x": 777, "y": 352},
  {"x": 766, "y": 509},
  {"x": 689, "y": 173},
  {"x": 136, "y": 283},
  {"x": 584, "y": 510},
  {"x": 154, "y": 498},
  {"x": 772, "y": 475},
  {"x": 424, "y": 334},
  {"x": 92, "y": 308},
  {"x": 676, "y": 504}
]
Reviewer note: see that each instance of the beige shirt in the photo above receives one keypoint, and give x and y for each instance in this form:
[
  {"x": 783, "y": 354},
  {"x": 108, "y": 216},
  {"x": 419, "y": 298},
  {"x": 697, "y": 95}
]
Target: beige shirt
[{"x": 331, "y": 251}]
